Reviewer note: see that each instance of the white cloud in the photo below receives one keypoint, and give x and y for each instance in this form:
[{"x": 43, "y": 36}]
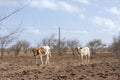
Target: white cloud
[
  {"x": 48, "y": 4},
  {"x": 33, "y": 31},
  {"x": 84, "y": 1},
  {"x": 74, "y": 31},
  {"x": 43, "y": 4},
  {"x": 82, "y": 16},
  {"x": 68, "y": 7},
  {"x": 56, "y": 5},
  {"x": 8, "y": 3},
  {"x": 114, "y": 10},
  {"x": 105, "y": 23}
]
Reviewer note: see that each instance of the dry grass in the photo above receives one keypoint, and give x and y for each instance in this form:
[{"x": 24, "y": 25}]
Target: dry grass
[{"x": 60, "y": 67}]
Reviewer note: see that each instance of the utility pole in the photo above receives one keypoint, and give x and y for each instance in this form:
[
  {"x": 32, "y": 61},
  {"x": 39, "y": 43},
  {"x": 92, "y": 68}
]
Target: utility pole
[{"x": 59, "y": 40}]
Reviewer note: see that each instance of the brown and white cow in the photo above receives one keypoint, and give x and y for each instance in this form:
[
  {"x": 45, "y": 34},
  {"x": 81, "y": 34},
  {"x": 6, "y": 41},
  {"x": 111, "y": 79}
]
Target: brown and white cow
[
  {"x": 83, "y": 52},
  {"x": 42, "y": 51}
]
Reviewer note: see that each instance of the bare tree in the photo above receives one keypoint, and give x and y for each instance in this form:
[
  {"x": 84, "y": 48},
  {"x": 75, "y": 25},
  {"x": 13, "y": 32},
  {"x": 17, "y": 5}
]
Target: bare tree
[
  {"x": 8, "y": 39},
  {"x": 4, "y": 41},
  {"x": 17, "y": 47},
  {"x": 25, "y": 46},
  {"x": 14, "y": 12},
  {"x": 72, "y": 44},
  {"x": 20, "y": 45},
  {"x": 48, "y": 41},
  {"x": 64, "y": 45},
  {"x": 95, "y": 45},
  {"x": 53, "y": 43},
  {"x": 115, "y": 47}
]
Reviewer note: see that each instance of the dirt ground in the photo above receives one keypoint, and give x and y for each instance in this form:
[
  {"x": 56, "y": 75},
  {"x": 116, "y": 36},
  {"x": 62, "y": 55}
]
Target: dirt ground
[{"x": 103, "y": 66}]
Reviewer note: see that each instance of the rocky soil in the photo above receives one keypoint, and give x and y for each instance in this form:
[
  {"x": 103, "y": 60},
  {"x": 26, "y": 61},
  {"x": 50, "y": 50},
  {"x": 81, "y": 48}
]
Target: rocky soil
[{"x": 65, "y": 68}]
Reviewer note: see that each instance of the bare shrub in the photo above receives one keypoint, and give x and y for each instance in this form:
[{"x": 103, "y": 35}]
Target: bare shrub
[
  {"x": 14, "y": 12},
  {"x": 115, "y": 47},
  {"x": 25, "y": 46},
  {"x": 50, "y": 41},
  {"x": 20, "y": 45},
  {"x": 17, "y": 47},
  {"x": 72, "y": 44},
  {"x": 8, "y": 39},
  {"x": 95, "y": 45},
  {"x": 54, "y": 44},
  {"x": 59, "y": 46}
]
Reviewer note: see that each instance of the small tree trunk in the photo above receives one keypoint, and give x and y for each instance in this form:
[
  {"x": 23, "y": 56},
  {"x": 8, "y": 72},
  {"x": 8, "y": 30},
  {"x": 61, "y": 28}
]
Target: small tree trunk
[
  {"x": 2, "y": 52},
  {"x": 73, "y": 52}
]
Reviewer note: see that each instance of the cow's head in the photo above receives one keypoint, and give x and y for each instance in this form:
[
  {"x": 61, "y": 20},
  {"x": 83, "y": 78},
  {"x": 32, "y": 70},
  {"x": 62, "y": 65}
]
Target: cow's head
[
  {"x": 78, "y": 49},
  {"x": 35, "y": 51}
]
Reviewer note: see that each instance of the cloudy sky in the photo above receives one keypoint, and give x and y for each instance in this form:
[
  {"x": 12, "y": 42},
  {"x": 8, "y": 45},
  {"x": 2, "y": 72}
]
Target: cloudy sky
[{"x": 83, "y": 20}]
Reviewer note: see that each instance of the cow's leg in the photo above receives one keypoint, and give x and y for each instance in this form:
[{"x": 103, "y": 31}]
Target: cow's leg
[
  {"x": 36, "y": 60},
  {"x": 88, "y": 59},
  {"x": 79, "y": 59},
  {"x": 41, "y": 59},
  {"x": 49, "y": 53},
  {"x": 82, "y": 59},
  {"x": 47, "y": 59}
]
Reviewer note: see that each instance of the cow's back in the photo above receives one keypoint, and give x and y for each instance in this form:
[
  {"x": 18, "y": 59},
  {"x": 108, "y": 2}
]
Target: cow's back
[{"x": 85, "y": 51}]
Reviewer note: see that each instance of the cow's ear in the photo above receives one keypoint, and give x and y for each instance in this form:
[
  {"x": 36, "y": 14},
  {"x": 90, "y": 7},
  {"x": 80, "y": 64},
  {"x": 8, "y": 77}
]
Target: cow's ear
[
  {"x": 76, "y": 47},
  {"x": 32, "y": 50},
  {"x": 80, "y": 47},
  {"x": 37, "y": 50}
]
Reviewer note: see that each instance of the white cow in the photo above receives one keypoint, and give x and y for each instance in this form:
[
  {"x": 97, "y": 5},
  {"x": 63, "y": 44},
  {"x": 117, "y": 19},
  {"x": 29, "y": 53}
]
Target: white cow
[
  {"x": 42, "y": 51},
  {"x": 83, "y": 52}
]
